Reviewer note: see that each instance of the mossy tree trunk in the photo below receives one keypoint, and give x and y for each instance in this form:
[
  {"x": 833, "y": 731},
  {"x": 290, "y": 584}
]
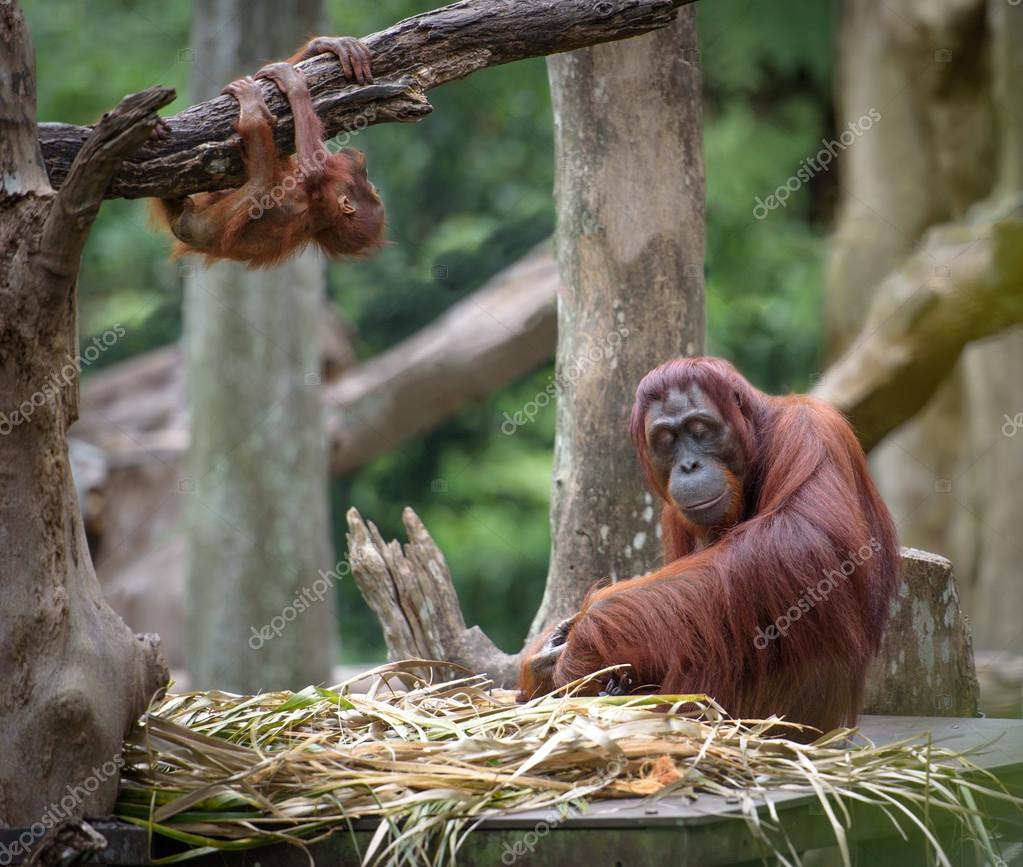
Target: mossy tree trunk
[{"x": 930, "y": 210}]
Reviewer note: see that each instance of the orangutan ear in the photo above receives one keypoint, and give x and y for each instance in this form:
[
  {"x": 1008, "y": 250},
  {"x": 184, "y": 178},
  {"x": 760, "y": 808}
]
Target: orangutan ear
[{"x": 346, "y": 205}]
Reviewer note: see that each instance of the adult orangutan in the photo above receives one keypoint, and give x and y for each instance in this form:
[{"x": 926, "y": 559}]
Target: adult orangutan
[{"x": 780, "y": 558}]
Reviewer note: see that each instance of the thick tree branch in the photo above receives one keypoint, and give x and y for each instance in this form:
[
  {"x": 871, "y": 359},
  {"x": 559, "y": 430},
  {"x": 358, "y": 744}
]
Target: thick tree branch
[
  {"x": 963, "y": 284},
  {"x": 118, "y": 134},
  {"x": 415, "y": 55},
  {"x": 488, "y": 339},
  {"x": 202, "y": 150}
]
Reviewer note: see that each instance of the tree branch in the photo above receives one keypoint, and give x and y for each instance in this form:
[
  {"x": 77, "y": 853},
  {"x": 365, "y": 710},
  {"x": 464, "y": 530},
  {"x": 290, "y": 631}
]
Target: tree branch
[
  {"x": 963, "y": 284},
  {"x": 119, "y": 133},
  {"x": 488, "y": 339},
  {"x": 417, "y": 54}
]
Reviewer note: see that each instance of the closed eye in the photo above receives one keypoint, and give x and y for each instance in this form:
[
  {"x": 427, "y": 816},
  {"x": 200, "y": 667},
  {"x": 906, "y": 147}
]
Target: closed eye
[
  {"x": 662, "y": 438},
  {"x": 699, "y": 430}
]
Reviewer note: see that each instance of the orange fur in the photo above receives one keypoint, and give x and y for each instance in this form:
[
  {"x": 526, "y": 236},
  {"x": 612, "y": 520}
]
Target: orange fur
[
  {"x": 810, "y": 512},
  {"x": 287, "y": 202}
]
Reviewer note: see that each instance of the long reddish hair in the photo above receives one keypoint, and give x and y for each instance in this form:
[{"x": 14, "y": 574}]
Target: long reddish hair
[{"x": 811, "y": 517}]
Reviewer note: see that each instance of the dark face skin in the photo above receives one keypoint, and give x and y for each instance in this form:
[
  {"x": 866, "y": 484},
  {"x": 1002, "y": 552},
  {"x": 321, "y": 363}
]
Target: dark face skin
[{"x": 694, "y": 450}]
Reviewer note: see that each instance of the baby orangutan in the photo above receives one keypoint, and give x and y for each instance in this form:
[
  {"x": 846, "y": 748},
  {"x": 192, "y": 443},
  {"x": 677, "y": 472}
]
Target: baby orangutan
[{"x": 286, "y": 202}]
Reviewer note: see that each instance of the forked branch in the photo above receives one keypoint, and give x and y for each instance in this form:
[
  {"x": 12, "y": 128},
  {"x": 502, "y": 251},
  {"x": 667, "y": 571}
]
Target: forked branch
[{"x": 118, "y": 135}]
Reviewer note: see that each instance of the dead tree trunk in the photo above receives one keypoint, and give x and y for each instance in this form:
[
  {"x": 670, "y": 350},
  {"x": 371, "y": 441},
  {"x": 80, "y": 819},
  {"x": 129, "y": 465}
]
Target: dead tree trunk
[
  {"x": 630, "y": 239},
  {"x": 410, "y": 590},
  {"x": 74, "y": 677}
]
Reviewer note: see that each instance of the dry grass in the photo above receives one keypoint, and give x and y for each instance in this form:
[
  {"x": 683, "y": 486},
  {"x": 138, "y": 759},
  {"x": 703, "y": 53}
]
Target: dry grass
[{"x": 217, "y": 771}]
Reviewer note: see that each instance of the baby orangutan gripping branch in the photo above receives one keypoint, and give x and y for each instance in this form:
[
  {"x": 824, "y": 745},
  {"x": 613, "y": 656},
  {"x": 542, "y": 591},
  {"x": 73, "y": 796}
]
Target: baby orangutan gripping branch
[{"x": 286, "y": 202}]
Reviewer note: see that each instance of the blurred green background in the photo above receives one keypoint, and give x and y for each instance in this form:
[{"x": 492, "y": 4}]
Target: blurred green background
[{"x": 468, "y": 191}]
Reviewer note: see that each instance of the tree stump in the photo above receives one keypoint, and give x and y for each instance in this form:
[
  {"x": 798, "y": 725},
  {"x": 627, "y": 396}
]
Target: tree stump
[
  {"x": 411, "y": 591},
  {"x": 925, "y": 666}
]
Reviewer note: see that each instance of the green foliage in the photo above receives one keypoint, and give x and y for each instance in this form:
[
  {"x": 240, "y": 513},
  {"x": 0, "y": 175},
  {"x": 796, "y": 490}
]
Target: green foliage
[
  {"x": 768, "y": 105},
  {"x": 764, "y": 277},
  {"x": 468, "y": 191}
]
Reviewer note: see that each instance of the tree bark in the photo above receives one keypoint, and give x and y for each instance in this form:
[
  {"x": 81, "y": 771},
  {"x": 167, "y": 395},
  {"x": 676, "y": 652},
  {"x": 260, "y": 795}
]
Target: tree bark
[
  {"x": 630, "y": 242},
  {"x": 413, "y": 56},
  {"x": 946, "y": 76},
  {"x": 965, "y": 283},
  {"x": 257, "y": 516},
  {"x": 74, "y": 678},
  {"x": 411, "y": 592}
]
